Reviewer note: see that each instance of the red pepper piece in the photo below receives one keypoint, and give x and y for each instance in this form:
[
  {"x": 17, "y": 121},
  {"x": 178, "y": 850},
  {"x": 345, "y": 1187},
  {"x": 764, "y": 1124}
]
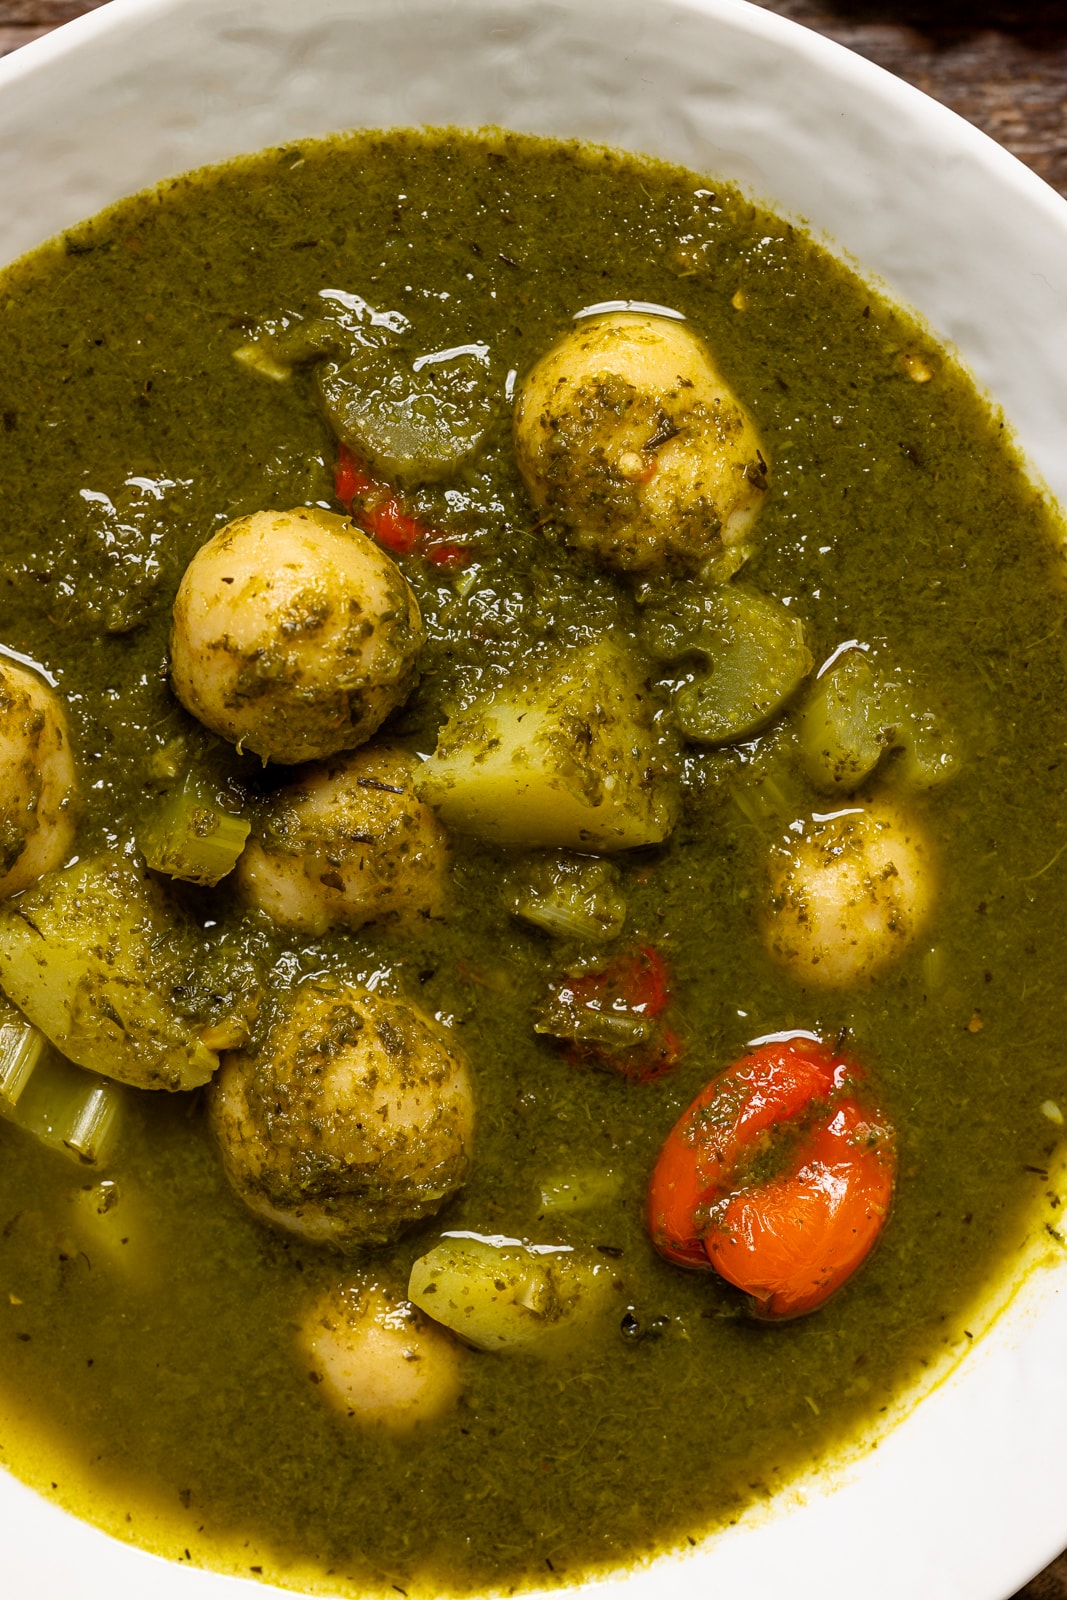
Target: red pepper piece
[
  {"x": 387, "y": 521},
  {"x": 350, "y": 477}
]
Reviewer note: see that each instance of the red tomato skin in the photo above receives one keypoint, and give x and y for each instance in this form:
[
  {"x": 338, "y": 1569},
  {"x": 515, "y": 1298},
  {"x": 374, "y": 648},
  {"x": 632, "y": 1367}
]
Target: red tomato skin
[
  {"x": 758, "y": 1093},
  {"x": 791, "y": 1243}
]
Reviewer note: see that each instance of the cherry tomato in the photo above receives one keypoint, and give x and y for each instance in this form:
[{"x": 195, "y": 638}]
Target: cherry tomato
[{"x": 777, "y": 1176}]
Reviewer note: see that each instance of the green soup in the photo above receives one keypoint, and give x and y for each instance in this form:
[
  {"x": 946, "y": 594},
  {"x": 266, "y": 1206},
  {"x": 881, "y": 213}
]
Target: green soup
[{"x": 152, "y": 1379}]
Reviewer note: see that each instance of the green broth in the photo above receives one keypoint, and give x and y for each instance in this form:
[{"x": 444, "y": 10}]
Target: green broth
[{"x": 168, "y": 1401}]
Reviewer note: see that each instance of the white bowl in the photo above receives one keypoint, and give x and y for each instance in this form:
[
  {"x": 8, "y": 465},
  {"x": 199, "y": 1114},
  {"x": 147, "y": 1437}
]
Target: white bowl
[{"x": 966, "y": 1497}]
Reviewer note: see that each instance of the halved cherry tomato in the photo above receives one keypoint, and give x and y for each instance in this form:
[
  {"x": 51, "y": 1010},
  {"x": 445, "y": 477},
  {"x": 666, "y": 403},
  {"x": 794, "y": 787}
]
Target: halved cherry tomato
[{"x": 776, "y": 1176}]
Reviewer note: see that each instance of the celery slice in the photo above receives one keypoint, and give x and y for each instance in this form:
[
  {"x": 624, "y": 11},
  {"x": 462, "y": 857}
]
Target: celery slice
[
  {"x": 579, "y": 1191},
  {"x": 748, "y": 657},
  {"x": 63, "y": 1107},
  {"x": 192, "y": 838},
  {"x": 21, "y": 1045},
  {"x": 570, "y": 897}
]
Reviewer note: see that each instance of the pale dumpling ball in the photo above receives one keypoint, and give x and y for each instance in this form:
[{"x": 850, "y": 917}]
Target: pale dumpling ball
[
  {"x": 849, "y": 895},
  {"x": 351, "y": 1120},
  {"x": 36, "y": 780},
  {"x": 294, "y": 635},
  {"x": 346, "y": 843},
  {"x": 628, "y": 436},
  {"x": 378, "y": 1360}
]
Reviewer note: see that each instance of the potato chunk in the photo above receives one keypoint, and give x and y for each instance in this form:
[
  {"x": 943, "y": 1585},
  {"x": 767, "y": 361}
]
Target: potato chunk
[
  {"x": 509, "y": 1296},
  {"x": 294, "y": 635},
  {"x": 346, "y": 843},
  {"x": 849, "y": 895},
  {"x": 378, "y": 1360},
  {"x": 352, "y": 1120},
  {"x": 36, "y": 780},
  {"x": 571, "y": 759},
  {"x": 94, "y": 956},
  {"x": 627, "y": 434}
]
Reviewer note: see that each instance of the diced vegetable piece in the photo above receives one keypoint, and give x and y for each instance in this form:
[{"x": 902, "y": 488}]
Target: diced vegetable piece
[
  {"x": 191, "y": 837},
  {"x": 94, "y": 956},
  {"x": 841, "y": 735},
  {"x": 611, "y": 1015},
  {"x": 571, "y": 760},
  {"x": 928, "y": 753},
  {"x": 21, "y": 1045},
  {"x": 855, "y": 715},
  {"x": 752, "y": 653},
  {"x": 579, "y": 1191},
  {"x": 570, "y": 897},
  {"x": 257, "y": 357},
  {"x": 63, "y": 1107},
  {"x": 413, "y": 420},
  {"x": 508, "y": 1296}
]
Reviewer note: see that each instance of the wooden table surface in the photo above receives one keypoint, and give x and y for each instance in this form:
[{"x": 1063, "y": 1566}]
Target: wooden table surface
[{"x": 1002, "y": 64}]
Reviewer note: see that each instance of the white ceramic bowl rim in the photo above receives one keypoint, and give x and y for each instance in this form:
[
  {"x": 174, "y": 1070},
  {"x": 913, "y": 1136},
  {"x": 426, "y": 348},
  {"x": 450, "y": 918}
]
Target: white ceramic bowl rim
[{"x": 967, "y": 1496}]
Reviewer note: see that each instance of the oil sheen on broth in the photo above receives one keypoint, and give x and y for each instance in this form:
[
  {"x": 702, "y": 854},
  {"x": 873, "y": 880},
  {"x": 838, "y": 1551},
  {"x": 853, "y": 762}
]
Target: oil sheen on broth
[{"x": 157, "y": 1375}]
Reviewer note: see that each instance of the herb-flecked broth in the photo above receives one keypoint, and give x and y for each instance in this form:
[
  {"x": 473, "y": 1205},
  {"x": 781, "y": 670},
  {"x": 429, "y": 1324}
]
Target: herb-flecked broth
[{"x": 161, "y": 1392}]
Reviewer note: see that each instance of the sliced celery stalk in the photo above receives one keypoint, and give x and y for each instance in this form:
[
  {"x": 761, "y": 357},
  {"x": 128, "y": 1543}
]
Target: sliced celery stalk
[
  {"x": 856, "y": 715},
  {"x": 841, "y": 737},
  {"x": 413, "y": 422},
  {"x": 192, "y": 838},
  {"x": 21, "y": 1045},
  {"x": 579, "y": 1191},
  {"x": 67, "y": 1109},
  {"x": 750, "y": 652},
  {"x": 570, "y": 897}
]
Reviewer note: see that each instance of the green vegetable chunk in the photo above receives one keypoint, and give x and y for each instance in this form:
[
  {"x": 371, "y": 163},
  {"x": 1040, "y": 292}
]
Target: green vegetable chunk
[
  {"x": 585, "y": 1190},
  {"x": 506, "y": 1295},
  {"x": 840, "y": 729},
  {"x": 412, "y": 420},
  {"x": 570, "y": 897},
  {"x": 94, "y": 955},
  {"x": 855, "y": 715},
  {"x": 572, "y": 759},
  {"x": 191, "y": 837},
  {"x": 751, "y": 655},
  {"x": 60, "y": 1105}
]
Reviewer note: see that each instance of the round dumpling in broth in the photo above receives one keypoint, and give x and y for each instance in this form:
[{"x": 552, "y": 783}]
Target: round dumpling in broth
[
  {"x": 850, "y": 894},
  {"x": 294, "y": 635},
  {"x": 352, "y": 1119},
  {"x": 36, "y": 780},
  {"x": 630, "y": 438},
  {"x": 346, "y": 843}
]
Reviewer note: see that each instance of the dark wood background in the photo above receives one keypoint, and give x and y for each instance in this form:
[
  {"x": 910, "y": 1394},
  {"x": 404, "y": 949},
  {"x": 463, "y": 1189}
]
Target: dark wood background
[{"x": 1002, "y": 64}]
